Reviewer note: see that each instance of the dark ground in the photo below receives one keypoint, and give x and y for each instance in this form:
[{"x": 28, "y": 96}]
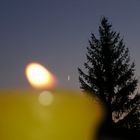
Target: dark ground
[{"x": 118, "y": 134}]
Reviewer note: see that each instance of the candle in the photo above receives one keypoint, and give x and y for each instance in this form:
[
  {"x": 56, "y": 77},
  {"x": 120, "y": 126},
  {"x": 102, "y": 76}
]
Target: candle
[{"x": 48, "y": 115}]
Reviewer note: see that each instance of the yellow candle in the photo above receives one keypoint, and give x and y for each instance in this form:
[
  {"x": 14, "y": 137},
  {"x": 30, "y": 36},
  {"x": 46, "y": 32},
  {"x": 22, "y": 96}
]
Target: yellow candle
[{"x": 67, "y": 115}]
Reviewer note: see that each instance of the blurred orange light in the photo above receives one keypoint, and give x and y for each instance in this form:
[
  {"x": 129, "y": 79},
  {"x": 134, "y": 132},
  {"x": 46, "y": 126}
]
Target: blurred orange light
[{"x": 39, "y": 77}]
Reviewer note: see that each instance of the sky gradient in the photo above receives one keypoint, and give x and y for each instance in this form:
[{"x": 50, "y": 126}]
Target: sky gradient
[{"x": 55, "y": 33}]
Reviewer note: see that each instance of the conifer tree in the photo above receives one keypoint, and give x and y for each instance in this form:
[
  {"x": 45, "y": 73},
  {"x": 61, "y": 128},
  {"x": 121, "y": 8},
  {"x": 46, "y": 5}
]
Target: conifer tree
[{"x": 109, "y": 74}]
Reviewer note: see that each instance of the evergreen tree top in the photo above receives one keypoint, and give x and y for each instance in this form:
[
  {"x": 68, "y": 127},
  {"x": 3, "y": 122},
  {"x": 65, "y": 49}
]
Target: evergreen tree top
[{"x": 110, "y": 75}]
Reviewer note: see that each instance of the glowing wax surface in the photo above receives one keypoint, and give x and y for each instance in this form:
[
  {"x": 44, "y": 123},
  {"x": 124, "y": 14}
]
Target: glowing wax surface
[{"x": 71, "y": 116}]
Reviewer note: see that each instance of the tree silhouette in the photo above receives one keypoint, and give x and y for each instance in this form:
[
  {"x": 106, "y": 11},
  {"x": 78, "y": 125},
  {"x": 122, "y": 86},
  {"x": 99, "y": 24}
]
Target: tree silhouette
[{"x": 109, "y": 74}]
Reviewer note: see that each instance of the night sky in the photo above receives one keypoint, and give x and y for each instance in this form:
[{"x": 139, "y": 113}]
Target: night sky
[{"x": 55, "y": 33}]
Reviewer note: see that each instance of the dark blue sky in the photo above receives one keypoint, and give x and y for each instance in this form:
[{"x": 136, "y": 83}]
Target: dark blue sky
[{"x": 55, "y": 33}]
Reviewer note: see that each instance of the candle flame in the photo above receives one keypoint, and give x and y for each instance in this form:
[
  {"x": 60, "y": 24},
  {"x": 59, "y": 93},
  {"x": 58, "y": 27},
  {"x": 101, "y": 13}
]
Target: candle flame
[{"x": 39, "y": 76}]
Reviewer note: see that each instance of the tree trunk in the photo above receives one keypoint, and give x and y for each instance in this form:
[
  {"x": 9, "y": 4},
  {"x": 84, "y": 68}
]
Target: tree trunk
[{"x": 107, "y": 125}]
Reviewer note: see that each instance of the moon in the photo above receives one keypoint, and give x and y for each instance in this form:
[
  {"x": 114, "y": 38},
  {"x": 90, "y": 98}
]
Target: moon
[{"x": 68, "y": 77}]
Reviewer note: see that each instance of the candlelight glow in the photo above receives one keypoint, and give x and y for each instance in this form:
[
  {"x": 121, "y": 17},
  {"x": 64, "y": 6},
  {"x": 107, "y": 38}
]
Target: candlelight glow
[
  {"x": 39, "y": 77},
  {"x": 45, "y": 98}
]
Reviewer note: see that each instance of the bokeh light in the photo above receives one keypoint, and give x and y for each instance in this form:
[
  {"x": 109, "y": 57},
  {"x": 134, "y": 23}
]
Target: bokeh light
[{"x": 45, "y": 98}]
